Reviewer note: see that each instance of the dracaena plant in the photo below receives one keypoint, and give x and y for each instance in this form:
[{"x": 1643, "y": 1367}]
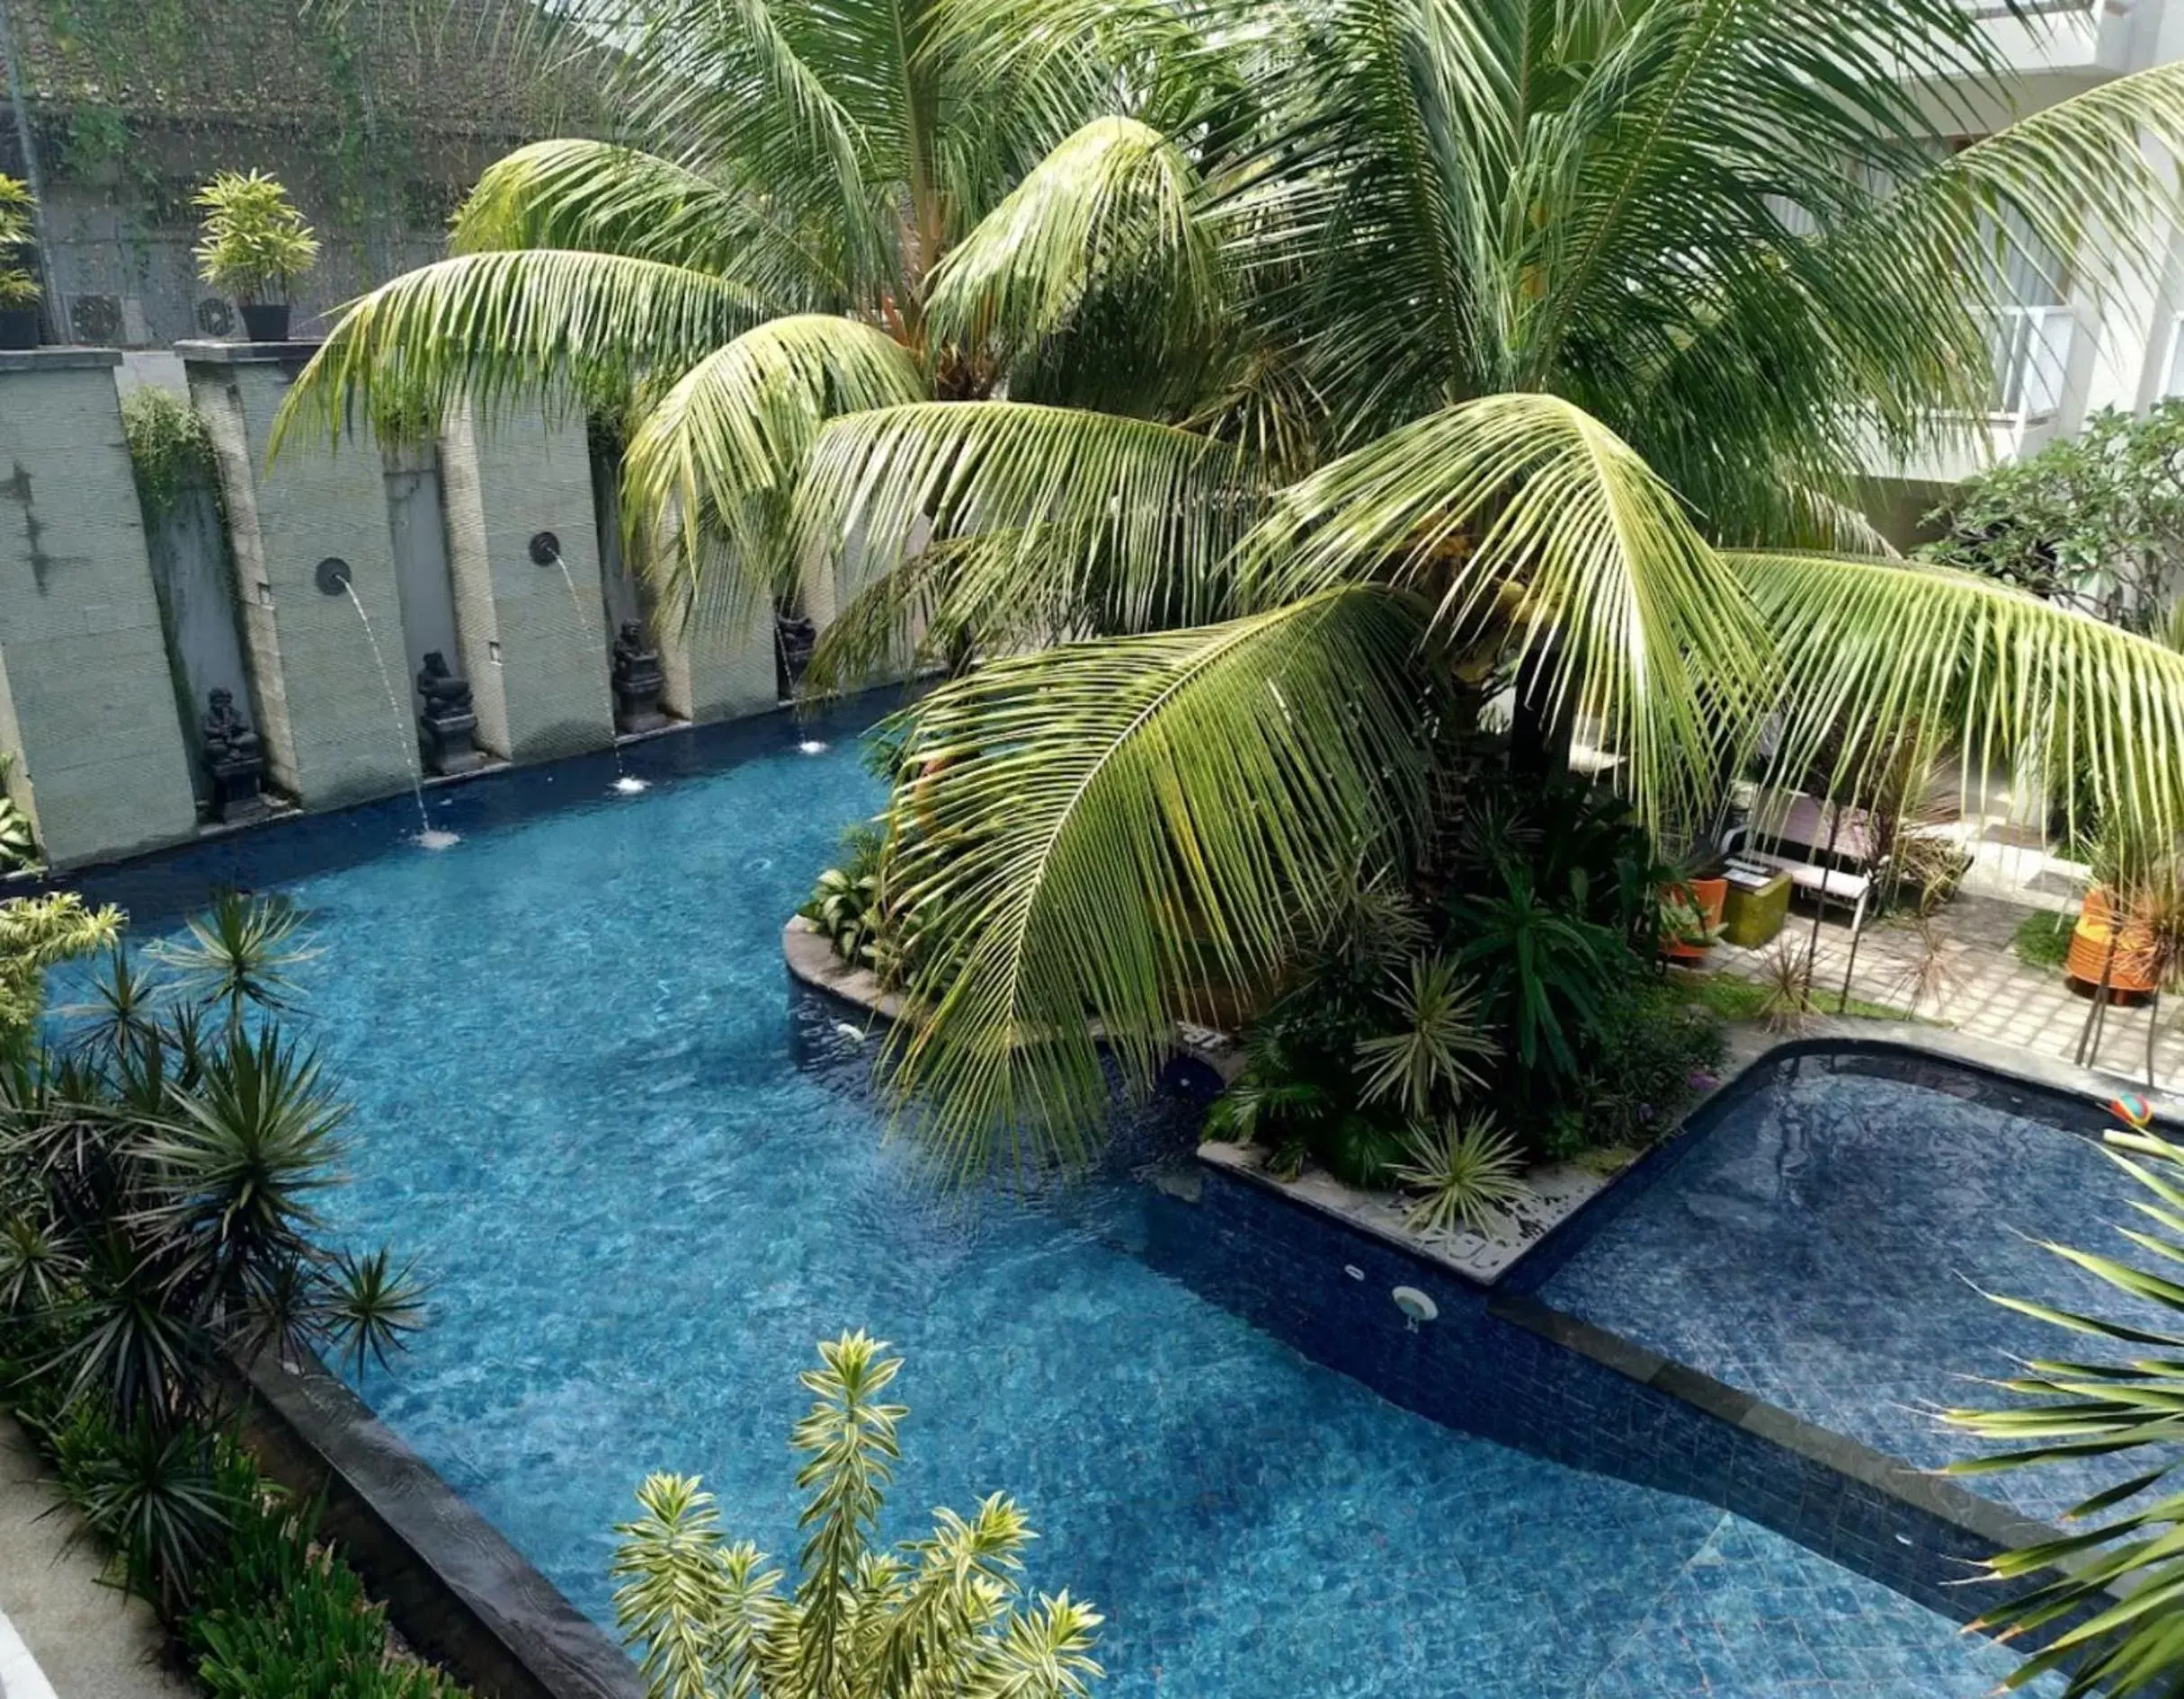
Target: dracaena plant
[
  {"x": 254, "y": 242},
  {"x": 943, "y": 1617},
  {"x": 1236, "y": 398}
]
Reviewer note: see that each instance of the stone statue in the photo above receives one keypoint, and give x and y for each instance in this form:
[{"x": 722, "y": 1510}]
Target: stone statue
[
  {"x": 447, "y": 719},
  {"x": 637, "y": 682},
  {"x": 234, "y": 763},
  {"x": 793, "y": 639}
]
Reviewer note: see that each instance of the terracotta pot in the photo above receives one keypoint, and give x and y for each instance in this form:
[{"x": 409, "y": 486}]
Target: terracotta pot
[
  {"x": 1710, "y": 895},
  {"x": 2131, "y": 973}
]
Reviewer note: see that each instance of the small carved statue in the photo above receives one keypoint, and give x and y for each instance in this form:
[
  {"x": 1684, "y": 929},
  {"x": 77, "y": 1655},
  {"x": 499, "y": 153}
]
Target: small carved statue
[
  {"x": 793, "y": 639},
  {"x": 235, "y": 763},
  {"x": 447, "y": 719},
  {"x": 637, "y": 682}
]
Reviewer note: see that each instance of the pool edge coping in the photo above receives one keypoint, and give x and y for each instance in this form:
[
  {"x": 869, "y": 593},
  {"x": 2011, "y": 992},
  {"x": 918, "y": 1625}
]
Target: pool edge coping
[{"x": 509, "y": 1630}]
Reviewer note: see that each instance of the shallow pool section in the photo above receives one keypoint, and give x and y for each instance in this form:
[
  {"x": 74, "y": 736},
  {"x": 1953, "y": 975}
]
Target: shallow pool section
[
  {"x": 1825, "y": 1243},
  {"x": 646, "y": 1177}
]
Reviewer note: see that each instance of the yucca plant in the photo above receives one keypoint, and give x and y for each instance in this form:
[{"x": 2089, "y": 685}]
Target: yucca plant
[
  {"x": 1464, "y": 1172},
  {"x": 1252, "y": 389},
  {"x": 2106, "y": 1595},
  {"x": 1439, "y": 1037},
  {"x": 937, "y": 1618}
]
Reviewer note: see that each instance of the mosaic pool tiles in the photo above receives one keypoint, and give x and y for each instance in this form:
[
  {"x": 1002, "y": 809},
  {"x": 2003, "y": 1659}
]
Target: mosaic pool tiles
[{"x": 1825, "y": 1247}]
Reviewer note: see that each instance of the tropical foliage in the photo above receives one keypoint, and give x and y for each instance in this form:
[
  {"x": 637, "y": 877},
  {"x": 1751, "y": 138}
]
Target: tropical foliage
[
  {"x": 2100, "y": 1600},
  {"x": 937, "y": 1618},
  {"x": 2093, "y": 520},
  {"x": 160, "y": 1158},
  {"x": 1238, "y": 401},
  {"x": 18, "y": 287},
  {"x": 253, "y": 243},
  {"x": 36, "y": 933}
]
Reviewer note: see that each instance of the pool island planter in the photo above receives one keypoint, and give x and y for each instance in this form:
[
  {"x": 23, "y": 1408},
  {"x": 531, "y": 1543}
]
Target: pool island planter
[
  {"x": 454, "y": 1588},
  {"x": 1336, "y": 1274},
  {"x": 1498, "y": 1361}
]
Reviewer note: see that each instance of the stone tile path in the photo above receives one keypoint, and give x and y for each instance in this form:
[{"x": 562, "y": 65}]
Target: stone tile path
[
  {"x": 88, "y": 1640},
  {"x": 1976, "y": 984}
]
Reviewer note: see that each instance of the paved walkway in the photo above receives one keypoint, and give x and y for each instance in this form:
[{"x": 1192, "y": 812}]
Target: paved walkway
[
  {"x": 87, "y": 1641},
  {"x": 1967, "y": 975}
]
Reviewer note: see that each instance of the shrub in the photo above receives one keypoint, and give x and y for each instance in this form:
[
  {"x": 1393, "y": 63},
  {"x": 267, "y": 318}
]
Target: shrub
[
  {"x": 169, "y": 449},
  {"x": 2042, "y": 940},
  {"x": 844, "y": 907},
  {"x": 939, "y": 1616},
  {"x": 285, "y": 1614},
  {"x": 18, "y": 287},
  {"x": 253, "y": 243},
  {"x": 1463, "y": 1171},
  {"x": 1650, "y": 1041}
]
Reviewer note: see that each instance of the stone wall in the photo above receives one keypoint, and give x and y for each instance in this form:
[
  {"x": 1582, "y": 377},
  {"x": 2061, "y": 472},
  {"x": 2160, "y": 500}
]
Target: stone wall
[
  {"x": 509, "y": 481},
  {"x": 104, "y": 768},
  {"x": 331, "y": 735}
]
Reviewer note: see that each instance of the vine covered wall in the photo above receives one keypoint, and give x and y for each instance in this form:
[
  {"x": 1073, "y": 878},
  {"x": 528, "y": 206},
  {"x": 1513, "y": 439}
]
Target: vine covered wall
[{"x": 377, "y": 115}]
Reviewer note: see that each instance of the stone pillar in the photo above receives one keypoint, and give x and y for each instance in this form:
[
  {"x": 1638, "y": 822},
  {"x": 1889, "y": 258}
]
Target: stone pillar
[
  {"x": 710, "y": 674},
  {"x": 330, "y": 737},
  {"x": 92, "y": 701},
  {"x": 533, "y": 625}
]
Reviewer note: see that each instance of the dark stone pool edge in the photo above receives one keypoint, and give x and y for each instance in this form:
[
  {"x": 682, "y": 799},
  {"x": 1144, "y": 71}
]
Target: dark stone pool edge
[
  {"x": 454, "y": 1588},
  {"x": 1503, "y": 1363}
]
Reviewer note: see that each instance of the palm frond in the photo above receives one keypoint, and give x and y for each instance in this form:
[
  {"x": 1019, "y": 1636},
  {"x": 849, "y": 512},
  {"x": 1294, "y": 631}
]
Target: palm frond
[
  {"x": 608, "y": 198},
  {"x": 1111, "y": 830},
  {"x": 1870, "y": 648},
  {"x": 496, "y": 327},
  {"x": 1086, "y": 523},
  {"x": 1113, "y": 210},
  {"x": 1526, "y": 504},
  {"x": 708, "y": 473}
]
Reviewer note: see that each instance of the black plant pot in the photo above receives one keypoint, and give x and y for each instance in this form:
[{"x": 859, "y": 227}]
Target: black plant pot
[
  {"x": 265, "y": 323},
  {"x": 18, "y": 327}
]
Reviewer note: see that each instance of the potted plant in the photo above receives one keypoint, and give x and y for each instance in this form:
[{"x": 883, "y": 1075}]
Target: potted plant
[
  {"x": 1691, "y": 918},
  {"x": 19, "y": 289},
  {"x": 254, "y": 244}
]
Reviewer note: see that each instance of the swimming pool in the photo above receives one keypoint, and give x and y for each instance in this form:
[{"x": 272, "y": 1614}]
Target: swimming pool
[
  {"x": 1825, "y": 1244},
  {"x": 645, "y": 1177}
]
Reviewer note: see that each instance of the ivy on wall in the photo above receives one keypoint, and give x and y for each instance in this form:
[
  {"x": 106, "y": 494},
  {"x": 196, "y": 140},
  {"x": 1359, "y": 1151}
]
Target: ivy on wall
[{"x": 383, "y": 118}]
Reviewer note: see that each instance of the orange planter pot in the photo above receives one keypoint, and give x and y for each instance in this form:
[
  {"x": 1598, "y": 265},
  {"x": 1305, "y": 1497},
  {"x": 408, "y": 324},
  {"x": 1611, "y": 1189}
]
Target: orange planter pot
[
  {"x": 1710, "y": 895},
  {"x": 2131, "y": 973}
]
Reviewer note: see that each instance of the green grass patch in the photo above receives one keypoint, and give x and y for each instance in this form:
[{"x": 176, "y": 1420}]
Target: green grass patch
[
  {"x": 1735, "y": 998},
  {"x": 2043, "y": 939}
]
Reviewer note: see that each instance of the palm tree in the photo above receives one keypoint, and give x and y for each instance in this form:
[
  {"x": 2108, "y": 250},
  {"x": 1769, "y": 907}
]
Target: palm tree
[{"x": 1247, "y": 398}]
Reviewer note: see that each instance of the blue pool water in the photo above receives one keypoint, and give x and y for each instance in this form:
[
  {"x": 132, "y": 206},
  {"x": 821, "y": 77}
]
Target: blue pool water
[
  {"x": 645, "y": 1177},
  {"x": 1826, "y": 1247}
]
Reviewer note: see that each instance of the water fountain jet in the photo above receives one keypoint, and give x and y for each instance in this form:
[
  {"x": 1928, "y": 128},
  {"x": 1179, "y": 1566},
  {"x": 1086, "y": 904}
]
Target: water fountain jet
[
  {"x": 546, "y": 551},
  {"x": 334, "y": 578}
]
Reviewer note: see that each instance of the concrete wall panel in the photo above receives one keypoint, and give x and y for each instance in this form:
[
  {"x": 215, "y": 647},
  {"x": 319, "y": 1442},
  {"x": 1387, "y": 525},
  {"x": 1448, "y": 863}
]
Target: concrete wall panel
[{"x": 104, "y": 756}]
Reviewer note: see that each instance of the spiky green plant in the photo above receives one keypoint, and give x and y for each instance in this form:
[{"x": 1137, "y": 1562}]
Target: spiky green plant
[
  {"x": 1250, "y": 386},
  {"x": 36, "y": 933},
  {"x": 253, "y": 243},
  {"x": 937, "y": 1617},
  {"x": 1439, "y": 1034},
  {"x": 1464, "y": 1174},
  {"x": 2107, "y": 1593}
]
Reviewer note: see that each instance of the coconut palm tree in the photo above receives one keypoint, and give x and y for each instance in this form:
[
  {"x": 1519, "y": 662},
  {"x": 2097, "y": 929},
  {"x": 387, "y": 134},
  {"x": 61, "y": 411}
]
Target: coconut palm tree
[{"x": 1247, "y": 397}]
